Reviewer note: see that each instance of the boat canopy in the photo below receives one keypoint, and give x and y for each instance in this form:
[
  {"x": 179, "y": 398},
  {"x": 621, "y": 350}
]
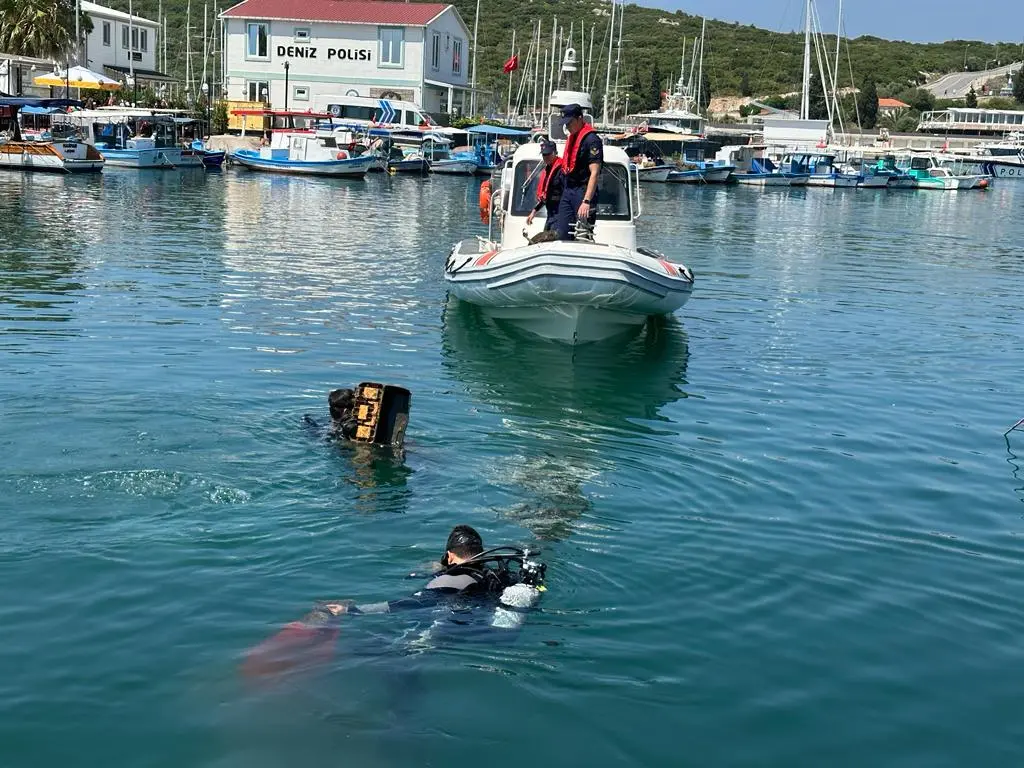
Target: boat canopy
[
  {"x": 40, "y": 110},
  {"x": 498, "y": 130},
  {"x": 20, "y": 102}
]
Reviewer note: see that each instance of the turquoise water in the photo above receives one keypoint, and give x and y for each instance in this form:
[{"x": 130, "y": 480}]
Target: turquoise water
[{"x": 782, "y": 528}]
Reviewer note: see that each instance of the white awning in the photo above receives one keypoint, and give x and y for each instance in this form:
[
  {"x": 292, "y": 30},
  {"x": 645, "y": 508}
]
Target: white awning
[{"x": 446, "y": 86}]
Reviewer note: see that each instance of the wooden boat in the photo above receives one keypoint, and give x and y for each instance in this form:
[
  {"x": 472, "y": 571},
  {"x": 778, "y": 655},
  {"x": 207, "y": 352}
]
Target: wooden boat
[{"x": 69, "y": 155}]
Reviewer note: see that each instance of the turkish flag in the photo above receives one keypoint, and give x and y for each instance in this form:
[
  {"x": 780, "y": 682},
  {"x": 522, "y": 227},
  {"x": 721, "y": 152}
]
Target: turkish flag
[{"x": 511, "y": 65}]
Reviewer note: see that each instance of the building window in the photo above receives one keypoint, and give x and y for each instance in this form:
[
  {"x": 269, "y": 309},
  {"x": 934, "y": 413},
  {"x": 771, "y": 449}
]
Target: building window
[
  {"x": 258, "y": 90},
  {"x": 392, "y": 43},
  {"x": 257, "y": 46},
  {"x": 135, "y": 38},
  {"x": 457, "y": 57},
  {"x": 302, "y": 34},
  {"x": 300, "y": 93},
  {"x": 106, "y": 33},
  {"x": 143, "y": 42},
  {"x": 435, "y": 51},
  {"x": 124, "y": 37}
]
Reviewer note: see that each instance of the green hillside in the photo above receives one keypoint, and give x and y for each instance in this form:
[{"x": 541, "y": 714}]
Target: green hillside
[{"x": 739, "y": 59}]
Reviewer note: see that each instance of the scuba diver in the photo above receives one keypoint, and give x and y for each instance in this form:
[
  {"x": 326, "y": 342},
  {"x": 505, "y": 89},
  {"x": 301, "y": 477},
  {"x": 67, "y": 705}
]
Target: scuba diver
[
  {"x": 370, "y": 413},
  {"x": 470, "y": 578}
]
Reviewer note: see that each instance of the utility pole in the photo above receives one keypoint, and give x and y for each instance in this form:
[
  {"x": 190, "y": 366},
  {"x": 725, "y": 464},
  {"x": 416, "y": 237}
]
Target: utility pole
[
  {"x": 608, "y": 70},
  {"x": 805, "y": 99},
  {"x": 472, "y": 79}
]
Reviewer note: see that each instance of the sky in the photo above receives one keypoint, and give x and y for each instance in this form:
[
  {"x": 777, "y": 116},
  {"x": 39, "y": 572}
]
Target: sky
[{"x": 914, "y": 20}]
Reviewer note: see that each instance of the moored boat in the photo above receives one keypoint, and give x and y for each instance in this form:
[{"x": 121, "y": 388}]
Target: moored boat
[
  {"x": 303, "y": 154},
  {"x": 686, "y": 176},
  {"x": 576, "y": 291},
  {"x": 752, "y": 168},
  {"x": 62, "y": 155},
  {"x": 654, "y": 173}
]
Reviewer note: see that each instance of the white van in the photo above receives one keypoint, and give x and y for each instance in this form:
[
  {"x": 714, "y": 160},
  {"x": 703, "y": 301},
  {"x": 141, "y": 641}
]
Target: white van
[{"x": 382, "y": 113}]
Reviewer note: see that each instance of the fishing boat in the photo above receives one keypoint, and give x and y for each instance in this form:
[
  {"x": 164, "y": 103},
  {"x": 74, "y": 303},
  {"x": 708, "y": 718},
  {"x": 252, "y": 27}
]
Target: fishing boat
[
  {"x": 928, "y": 173},
  {"x": 576, "y": 291},
  {"x": 67, "y": 154},
  {"x": 486, "y": 150},
  {"x": 304, "y": 154},
  {"x": 654, "y": 173},
  {"x": 211, "y": 158},
  {"x": 820, "y": 170},
  {"x": 715, "y": 171},
  {"x": 686, "y": 176},
  {"x": 437, "y": 150},
  {"x": 752, "y": 167},
  {"x": 132, "y": 138}
]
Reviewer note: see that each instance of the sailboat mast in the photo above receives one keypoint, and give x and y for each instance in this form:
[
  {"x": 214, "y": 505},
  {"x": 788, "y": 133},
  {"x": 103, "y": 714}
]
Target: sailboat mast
[
  {"x": 554, "y": 64},
  {"x": 608, "y": 70},
  {"x": 472, "y": 79},
  {"x": 590, "y": 58},
  {"x": 205, "y": 46},
  {"x": 700, "y": 66},
  {"x": 618, "y": 55},
  {"x": 188, "y": 51},
  {"x": 508, "y": 108},
  {"x": 805, "y": 99}
]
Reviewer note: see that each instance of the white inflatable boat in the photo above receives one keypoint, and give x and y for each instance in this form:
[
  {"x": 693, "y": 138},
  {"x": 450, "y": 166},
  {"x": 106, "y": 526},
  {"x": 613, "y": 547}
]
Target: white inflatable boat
[{"x": 574, "y": 291}]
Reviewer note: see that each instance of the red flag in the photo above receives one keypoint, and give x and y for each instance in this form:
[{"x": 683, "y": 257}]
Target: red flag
[{"x": 511, "y": 65}]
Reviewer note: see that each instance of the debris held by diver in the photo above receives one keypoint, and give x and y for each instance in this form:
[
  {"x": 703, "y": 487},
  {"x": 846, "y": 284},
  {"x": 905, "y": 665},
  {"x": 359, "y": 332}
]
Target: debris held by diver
[{"x": 372, "y": 413}]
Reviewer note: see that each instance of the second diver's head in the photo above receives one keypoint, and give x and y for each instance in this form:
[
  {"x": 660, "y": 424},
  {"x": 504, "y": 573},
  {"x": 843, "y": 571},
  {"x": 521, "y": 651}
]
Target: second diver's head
[
  {"x": 340, "y": 402},
  {"x": 463, "y": 543}
]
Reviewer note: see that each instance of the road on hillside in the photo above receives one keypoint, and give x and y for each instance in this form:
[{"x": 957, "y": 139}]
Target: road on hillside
[{"x": 955, "y": 85}]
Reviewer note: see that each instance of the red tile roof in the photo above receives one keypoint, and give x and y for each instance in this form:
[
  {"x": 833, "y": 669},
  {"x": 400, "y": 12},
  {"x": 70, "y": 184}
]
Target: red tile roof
[
  {"x": 892, "y": 104},
  {"x": 339, "y": 11}
]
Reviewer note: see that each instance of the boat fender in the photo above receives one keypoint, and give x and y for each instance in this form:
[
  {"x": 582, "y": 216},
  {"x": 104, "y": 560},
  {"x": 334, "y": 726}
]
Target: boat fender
[
  {"x": 342, "y": 154},
  {"x": 485, "y": 201}
]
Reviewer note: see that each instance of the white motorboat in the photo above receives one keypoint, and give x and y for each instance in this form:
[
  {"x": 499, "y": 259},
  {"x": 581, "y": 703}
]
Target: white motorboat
[
  {"x": 64, "y": 154},
  {"x": 656, "y": 173},
  {"x": 574, "y": 291}
]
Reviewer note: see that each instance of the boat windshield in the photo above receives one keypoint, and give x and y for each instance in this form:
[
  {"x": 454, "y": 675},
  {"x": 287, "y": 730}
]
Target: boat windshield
[{"x": 612, "y": 190}]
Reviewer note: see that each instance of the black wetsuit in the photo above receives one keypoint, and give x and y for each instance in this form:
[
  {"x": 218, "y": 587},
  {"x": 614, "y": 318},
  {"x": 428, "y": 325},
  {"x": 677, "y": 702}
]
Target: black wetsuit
[{"x": 455, "y": 582}]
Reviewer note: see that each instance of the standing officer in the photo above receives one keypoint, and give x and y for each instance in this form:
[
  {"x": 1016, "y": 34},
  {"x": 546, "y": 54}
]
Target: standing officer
[
  {"x": 584, "y": 155},
  {"x": 550, "y": 186}
]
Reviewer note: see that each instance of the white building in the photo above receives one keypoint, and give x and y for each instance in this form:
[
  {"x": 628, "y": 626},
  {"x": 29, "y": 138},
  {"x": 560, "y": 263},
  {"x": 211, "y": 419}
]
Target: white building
[
  {"x": 115, "y": 37},
  {"x": 415, "y": 52},
  {"x": 17, "y": 73}
]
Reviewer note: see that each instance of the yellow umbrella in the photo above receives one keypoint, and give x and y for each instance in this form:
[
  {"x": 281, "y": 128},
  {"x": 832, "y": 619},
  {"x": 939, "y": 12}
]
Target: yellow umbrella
[{"x": 78, "y": 77}]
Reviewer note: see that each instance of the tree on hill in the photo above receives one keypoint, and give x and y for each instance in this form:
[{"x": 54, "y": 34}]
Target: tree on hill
[
  {"x": 654, "y": 92},
  {"x": 817, "y": 108},
  {"x": 972, "y": 99},
  {"x": 745, "y": 89},
  {"x": 867, "y": 104},
  {"x": 1018, "y": 86}
]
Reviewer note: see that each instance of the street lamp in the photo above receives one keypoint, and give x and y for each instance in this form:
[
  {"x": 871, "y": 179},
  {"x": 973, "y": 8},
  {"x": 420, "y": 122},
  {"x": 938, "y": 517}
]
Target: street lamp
[
  {"x": 287, "y": 66},
  {"x": 206, "y": 98}
]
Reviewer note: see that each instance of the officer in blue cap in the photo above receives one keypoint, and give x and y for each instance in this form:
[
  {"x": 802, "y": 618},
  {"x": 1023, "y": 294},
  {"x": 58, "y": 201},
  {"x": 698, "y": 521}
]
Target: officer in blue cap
[
  {"x": 583, "y": 157},
  {"x": 550, "y": 185}
]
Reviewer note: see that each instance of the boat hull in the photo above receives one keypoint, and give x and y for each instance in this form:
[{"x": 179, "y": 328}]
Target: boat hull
[
  {"x": 456, "y": 167},
  {"x": 656, "y": 174},
  {"x": 568, "y": 291},
  {"x": 762, "y": 179},
  {"x": 717, "y": 175},
  {"x": 352, "y": 167},
  {"x": 873, "y": 182},
  {"x": 408, "y": 166},
  {"x": 164, "y": 157},
  {"x": 46, "y": 157},
  {"x": 694, "y": 176}
]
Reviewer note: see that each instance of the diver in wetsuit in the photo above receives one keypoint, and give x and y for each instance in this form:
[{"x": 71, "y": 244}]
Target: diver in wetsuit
[
  {"x": 466, "y": 572},
  {"x": 470, "y": 577}
]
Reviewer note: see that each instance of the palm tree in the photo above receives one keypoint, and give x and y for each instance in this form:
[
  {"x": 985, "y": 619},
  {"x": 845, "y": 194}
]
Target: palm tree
[{"x": 40, "y": 28}]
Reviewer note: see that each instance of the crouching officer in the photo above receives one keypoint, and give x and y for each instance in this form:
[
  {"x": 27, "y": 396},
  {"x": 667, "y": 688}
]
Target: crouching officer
[
  {"x": 550, "y": 186},
  {"x": 583, "y": 157}
]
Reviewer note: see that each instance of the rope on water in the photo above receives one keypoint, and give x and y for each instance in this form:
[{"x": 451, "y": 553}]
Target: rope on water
[{"x": 1018, "y": 425}]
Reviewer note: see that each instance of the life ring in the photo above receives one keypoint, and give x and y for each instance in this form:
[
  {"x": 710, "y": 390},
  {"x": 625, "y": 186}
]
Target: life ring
[
  {"x": 485, "y": 201},
  {"x": 342, "y": 154}
]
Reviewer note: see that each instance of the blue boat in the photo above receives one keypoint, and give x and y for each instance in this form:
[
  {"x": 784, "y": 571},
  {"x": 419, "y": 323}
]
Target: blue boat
[
  {"x": 485, "y": 152},
  {"x": 819, "y": 169},
  {"x": 131, "y": 138},
  {"x": 686, "y": 176},
  {"x": 212, "y": 158},
  {"x": 304, "y": 154}
]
